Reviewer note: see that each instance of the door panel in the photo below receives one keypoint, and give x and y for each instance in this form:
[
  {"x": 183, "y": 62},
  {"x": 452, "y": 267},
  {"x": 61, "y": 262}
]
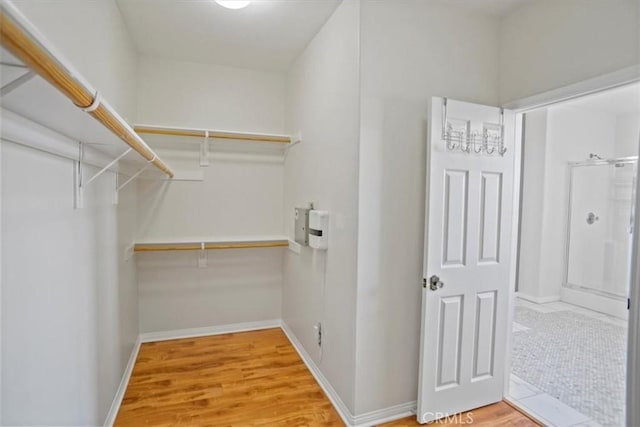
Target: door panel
[
  {"x": 455, "y": 217},
  {"x": 467, "y": 246},
  {"x": 485, "y": 335},
  {"x": 449, "y": 339},
  {"x": 491, "y": 207}
]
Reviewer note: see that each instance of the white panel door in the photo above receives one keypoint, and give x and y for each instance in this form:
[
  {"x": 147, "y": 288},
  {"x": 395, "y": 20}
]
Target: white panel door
[{"x": 467, "y": 258}]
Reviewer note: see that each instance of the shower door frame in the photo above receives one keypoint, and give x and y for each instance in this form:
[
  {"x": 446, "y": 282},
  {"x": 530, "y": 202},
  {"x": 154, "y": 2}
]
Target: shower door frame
[{"x": 571, "y": 169}]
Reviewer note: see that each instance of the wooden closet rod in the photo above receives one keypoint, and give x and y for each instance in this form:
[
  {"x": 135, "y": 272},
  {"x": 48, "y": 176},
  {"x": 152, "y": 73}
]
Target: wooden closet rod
[
  {"x": 159, "y": 247},
  {"x": 152, "y": 130},
  {"x": 23, "y": 40}
]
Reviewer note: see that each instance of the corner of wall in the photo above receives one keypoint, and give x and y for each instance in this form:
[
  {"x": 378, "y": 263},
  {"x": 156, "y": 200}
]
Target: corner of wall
[{"x": 323, "y": 94}]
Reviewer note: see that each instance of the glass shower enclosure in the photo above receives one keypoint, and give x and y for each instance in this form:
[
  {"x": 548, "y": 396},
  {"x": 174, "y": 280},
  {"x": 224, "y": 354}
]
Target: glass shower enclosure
[{"x": 600, "y": 226}]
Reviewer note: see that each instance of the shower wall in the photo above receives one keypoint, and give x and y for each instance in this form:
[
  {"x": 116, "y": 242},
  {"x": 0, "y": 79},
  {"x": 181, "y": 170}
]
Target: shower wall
[
  {"x": 553, "y": 138},
  {"x": 599, "y": 228},
  {"x": 627, "y": 133}
]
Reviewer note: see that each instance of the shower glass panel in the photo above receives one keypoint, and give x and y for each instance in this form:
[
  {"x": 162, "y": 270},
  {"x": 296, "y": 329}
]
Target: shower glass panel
[{"x": 600, "y": 226}]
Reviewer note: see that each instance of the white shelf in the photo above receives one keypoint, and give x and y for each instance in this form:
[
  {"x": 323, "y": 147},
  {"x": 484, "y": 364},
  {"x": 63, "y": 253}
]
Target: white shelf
[
  {"x": 167, "y": 137},
  {"x": 39, "y": 102},
  {"x": 48, "y": 97},
  {"x": 191, "y": 244}
]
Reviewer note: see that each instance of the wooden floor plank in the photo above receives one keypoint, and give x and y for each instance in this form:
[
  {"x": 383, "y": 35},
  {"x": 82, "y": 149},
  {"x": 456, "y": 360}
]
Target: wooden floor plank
[{"x": 244, "y": 379}]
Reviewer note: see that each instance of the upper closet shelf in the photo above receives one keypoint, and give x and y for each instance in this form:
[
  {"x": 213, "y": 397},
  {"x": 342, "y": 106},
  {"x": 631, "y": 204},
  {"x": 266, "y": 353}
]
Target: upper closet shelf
[
  {"x": 221, "y": 140},
  {"x": 37, "y": 84}
]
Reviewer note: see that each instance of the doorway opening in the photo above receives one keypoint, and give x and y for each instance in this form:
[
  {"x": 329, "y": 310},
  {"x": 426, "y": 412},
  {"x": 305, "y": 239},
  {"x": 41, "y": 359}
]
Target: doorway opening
[{"x": 569, "y": 335}]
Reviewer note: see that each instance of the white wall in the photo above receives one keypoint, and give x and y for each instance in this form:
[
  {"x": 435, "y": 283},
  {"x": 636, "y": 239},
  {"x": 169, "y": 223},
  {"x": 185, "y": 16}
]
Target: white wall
[
  {"x": 176, "y": 93},
  {"x": 241, "y": 195},
  {"x": 627, "y": 134},
  {"x": 242, "y": 285},
  {"x": 69, "y": 312},
  {"x": 323, "y": 104},
  {"x": 569, "y": 134},
  {"x": 69, "y": 317},
  {"x": 409, "y": 54},
  {"x": 533, "y": 178},
  {"x": 546, "y": 44}
]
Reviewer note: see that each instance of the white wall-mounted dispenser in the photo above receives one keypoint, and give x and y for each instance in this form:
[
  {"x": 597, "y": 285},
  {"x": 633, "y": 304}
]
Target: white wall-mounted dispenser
[{"x": 319, "y": 229}]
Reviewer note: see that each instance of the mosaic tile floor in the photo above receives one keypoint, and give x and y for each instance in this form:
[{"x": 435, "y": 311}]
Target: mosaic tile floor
[{"x": 576, "y": 359}]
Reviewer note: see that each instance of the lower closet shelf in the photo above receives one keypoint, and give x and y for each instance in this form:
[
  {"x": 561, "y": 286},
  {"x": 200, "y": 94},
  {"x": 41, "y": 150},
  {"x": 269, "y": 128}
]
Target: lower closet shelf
[{"x": 240, "y": 243}]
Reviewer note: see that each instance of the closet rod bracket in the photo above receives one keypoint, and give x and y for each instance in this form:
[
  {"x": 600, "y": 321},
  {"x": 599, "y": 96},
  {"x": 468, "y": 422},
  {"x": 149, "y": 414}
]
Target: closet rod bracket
[
  {"x": 202, "y": 256},
  {"x": 295, "y": 139},
  {"x": 97, "y": 100}
]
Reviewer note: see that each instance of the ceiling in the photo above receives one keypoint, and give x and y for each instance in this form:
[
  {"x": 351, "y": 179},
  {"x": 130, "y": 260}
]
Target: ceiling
[
  {"x": 268, "y": 34},
  {"x": 622, "y": 100}
]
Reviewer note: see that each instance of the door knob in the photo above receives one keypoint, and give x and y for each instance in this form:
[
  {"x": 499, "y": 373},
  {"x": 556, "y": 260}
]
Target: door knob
[{"x": 435, "y": 283}]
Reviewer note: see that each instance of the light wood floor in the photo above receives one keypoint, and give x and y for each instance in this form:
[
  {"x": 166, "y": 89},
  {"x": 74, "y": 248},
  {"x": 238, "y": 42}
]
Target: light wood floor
[
  {"x": 244, "y": 379},
  {"x": 498, "y": 414}
]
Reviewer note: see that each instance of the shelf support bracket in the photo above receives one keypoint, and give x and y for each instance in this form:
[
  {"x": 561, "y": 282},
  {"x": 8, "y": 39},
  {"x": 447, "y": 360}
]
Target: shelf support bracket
[
  {"x": 15, "y": 84},
  {"x": 11, "y": 64},
  {"x": 204, "y": 150},
  {"x": 106, "y": 168},
  {"x": 116, "y": 199},
  {"x": 202, "y": 256},
  {"x": 80, "y": 184},
  {"x": 78, "y": 199},
  {"x": 135, "y": 175}
]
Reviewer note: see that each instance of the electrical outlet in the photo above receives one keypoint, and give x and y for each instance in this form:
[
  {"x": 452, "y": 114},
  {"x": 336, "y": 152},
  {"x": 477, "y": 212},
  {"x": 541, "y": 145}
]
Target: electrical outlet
[{"x": 318, "y": 330}]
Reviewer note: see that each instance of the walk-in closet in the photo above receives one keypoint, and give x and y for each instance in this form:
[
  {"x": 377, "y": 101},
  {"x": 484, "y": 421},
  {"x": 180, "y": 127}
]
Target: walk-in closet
[{"x": 291, "y": 213}]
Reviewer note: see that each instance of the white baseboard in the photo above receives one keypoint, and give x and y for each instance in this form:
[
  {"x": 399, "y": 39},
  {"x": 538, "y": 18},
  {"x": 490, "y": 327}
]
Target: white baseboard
[
  {"x": 209, "y": 330},
  {"x": 326, "y": 386},
  {"x": 599, "y": 303},
  {"x": 538, "y": 300},
  {"x": 367, "y": 419},
  {"x": 363, "y": 420},
  {"x": 122, "y": 388},
  {"x": 526, "y": 411},
  {"x": 385, "y": 415}
]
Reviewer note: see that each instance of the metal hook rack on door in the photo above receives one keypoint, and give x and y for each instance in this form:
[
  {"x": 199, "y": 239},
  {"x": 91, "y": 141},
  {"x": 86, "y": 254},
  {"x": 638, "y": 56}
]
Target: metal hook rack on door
[{"x": 490, "y": 141}]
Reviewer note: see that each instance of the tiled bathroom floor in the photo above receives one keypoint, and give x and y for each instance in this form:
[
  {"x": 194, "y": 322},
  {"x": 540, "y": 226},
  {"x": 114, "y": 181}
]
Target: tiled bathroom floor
[{"x": 568, "y": 364}]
